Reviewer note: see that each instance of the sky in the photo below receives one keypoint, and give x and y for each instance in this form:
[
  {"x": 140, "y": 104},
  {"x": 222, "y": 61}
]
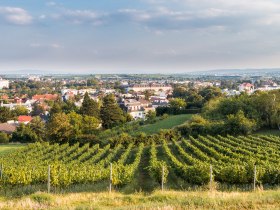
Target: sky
[{"x": 138, "y": 36}]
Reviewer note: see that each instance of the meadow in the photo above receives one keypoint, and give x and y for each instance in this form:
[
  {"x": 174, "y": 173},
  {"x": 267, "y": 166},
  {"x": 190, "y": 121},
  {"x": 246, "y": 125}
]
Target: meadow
[
  {"x": 269, "y": 200},
  {"x": 168, "y": 123},
  {"x": 8, "y": 148}
]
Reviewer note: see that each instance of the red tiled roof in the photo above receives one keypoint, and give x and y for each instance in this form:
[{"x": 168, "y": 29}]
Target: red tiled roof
[
  {"x": 247, "y": 85},
  {"x": 23, "y": 118}
]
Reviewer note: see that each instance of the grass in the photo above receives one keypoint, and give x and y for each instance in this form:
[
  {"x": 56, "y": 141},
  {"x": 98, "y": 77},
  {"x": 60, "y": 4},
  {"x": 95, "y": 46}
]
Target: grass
[
  {"x": 157, "y": 200},
  {"x": 7, "y": 148},
  {"x": 167, "y": 123}
]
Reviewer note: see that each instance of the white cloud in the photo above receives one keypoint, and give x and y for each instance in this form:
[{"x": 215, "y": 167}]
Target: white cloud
[
  {"x": 15, "y": 15},
  {"x": 196, "y": 14},
  {"x": 51, "y": 3},
  {"x": 40, "y": 45}
]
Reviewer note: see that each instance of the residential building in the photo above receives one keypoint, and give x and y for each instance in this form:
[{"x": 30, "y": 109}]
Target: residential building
[
  {"x": 137, "y": 108},
  {"x": 246, "y": 87},
  {"x": 152, "y": 86},
  {"x": 7, "y": 128},
  {"x": 4, "y": 83},
  {"x": 24, "y": 119}
]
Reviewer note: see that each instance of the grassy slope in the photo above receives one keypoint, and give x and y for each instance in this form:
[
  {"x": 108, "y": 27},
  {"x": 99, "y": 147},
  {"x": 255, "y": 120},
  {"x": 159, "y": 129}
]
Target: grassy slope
[
  {"x": 156, "y": 200},
  {"x": 167, "y": 123},
  {"x": 7, "y": 148}
]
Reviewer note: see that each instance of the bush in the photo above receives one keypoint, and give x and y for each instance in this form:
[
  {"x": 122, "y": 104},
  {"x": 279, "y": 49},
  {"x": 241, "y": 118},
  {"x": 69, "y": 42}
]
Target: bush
[
  {"x": 164, "y": 116},
  {"x": 234, "y": 125},
  {"x": 175, "y": 111},
  {"x": 4, "y": 138}
]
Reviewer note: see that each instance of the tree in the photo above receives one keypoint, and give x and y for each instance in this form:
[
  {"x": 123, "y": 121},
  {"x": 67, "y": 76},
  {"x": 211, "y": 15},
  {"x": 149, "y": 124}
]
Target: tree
[
  {"x": 24, "y": 134},
  {"x": 111, "y": 114},
  {"x": 90, "y": 124},
  {"x": 90, "y": 107},
  {"x": 37, "y": 110},
  {"x": 76, "y": 122},
  {"x": 39, "y": 127},
  {"x": 180, "y": 92},
  {"x": 69, "y": 106},
  {"x": 151, "y": 116},
  {"x": 209, "y": 93},
  {"x": 59, "y": 129},
  {"x": 177, "y": 103},
  {"x": 5, "y": 114},
  {"x": 56, "y": 108},
  {"x": 147, "y": 94},
  {"x": 239, "y": 124},
  {"x": 20, "y": 110},
  {"x": 4, "y": 138}
]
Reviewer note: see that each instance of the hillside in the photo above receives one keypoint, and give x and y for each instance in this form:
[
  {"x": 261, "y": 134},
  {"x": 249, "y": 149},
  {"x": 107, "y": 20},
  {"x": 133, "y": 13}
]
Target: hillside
[{"x": 185, "y": 162}]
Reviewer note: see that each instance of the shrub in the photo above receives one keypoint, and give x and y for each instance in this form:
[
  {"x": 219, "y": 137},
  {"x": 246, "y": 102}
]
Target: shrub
[{"x": 4, "y": 138}]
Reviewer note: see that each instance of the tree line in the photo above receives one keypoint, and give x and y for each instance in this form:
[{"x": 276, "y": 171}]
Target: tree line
[
  {"x": 68, "y": 123},
  {"x": 236, "y": 115}
]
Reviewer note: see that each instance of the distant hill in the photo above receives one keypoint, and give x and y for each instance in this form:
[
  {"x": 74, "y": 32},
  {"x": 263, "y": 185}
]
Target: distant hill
[{"x": 269, "y": 71}]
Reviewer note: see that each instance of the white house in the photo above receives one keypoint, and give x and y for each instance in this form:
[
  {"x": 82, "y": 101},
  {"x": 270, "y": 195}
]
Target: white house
[
  {"x": 246, "y": 87},
  {"x": 4, "y": 83},
  {"x": 137, "y": 109}
]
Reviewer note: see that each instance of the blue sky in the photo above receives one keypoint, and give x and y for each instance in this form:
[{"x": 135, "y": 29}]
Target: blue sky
[{"x": 144, "y": 36}]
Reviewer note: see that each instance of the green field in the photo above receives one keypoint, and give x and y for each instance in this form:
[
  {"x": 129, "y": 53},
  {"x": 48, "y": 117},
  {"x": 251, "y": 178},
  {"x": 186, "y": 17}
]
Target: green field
[
  {"x": 167, "y": 123},
  {"x": 7, "y": 148}
]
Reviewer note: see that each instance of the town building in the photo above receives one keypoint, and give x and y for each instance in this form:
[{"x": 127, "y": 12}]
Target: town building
[
  {"x": 4, "y": 83},
  {"x": 246, "y": 87}
]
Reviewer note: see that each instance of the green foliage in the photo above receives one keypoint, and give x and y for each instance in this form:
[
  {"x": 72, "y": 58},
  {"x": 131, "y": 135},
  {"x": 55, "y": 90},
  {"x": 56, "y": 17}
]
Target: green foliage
[
  {"x": 35, "y": 131},
  {"x": 90, "y": 107},
  {"x": 73, "y": 127},
  {"x": 20, "y": 110},
  {"x": 151, "y": 116},
  {"x": 111, "y": 114},
  {"x": 42, "y": 198},
  {"x": 59, "y": 129},
  {"x": 233, "y": 160},
  {"x": 37, "y": 110},
  {"x": 262, "y": 107},
  {"x": 5, "y": 114},
  {"x": 196, "y": 98},
  {"x": 239, "y": 124},
  {"x": 157, "y": 168},
  {"x": 89, "y": 124},
  {"x": 24, "y": 134},
  {"x": 177, "y": 103},
  {"x": 4, "y": 138}
]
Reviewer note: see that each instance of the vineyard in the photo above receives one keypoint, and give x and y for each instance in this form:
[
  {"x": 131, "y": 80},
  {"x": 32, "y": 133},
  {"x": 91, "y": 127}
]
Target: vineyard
[{"x": 232, "y": 161}]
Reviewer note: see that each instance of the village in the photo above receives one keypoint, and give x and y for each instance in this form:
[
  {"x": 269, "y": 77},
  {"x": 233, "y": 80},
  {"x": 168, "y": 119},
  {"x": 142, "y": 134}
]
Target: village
[{"x": 134, "y": 97}]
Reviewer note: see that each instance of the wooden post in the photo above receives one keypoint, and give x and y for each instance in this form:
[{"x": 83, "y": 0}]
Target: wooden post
[
  {"x": 1, "y": 172},
  {"x": 255, "y": 177},
  {"x": 162, "y": 178},
  {"x": 49, "y": 179},
  {"x": 111, "y": 177},
  {"x": 211, "y": 176}
]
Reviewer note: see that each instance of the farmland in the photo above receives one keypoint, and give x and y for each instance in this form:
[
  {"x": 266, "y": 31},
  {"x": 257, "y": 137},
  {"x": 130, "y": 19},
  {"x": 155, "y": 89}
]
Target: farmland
[{"x": 176, "y": 163}]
